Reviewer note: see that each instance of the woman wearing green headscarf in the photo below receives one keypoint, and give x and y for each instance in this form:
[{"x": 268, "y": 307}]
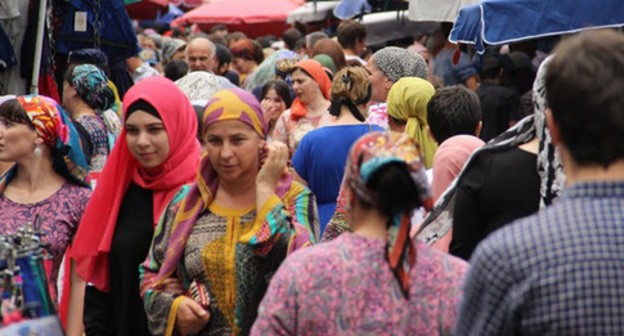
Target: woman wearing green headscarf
[{"x": 407, "y": 111}]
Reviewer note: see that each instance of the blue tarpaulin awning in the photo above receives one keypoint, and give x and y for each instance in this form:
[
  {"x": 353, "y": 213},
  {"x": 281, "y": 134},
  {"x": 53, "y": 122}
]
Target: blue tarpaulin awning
[{"x": 498, "y": 22}]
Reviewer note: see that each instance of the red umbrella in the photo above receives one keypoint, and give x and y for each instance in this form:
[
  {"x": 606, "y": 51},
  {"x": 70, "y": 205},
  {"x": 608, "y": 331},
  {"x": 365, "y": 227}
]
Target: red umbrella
[
  {"x": 146, "y": 9},
  {"x": 253, "y": 17}
]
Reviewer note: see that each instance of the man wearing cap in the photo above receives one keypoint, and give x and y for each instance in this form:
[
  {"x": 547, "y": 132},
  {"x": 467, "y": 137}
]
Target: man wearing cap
[{"x": 386, "y": 67}]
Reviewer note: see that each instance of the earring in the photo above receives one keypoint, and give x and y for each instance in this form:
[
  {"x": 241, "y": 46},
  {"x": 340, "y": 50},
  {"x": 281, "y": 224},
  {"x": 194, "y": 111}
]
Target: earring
[{"x": 38, "y": 152}]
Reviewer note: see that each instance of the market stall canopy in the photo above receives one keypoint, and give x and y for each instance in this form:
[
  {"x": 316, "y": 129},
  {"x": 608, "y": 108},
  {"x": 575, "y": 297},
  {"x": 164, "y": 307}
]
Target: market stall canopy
[
  {"x": 146, "y": 9},
  {"x": 349, "y": 9},
  {"x": 254, "y": 18},
  {"x": 436, "y": 10},
  {"x": 312, "y": 12},
  {"x": 498, "y": 22},
  {"x": 387, "y": 26}
]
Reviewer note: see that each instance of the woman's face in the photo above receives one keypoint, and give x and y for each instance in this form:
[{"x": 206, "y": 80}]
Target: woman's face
[
  {"x": 147, "y": 139},
  {"x": 68, "y": 93},
  {"x": 304, "y": 86},
  {"x": 17, "y": 140},
  {"x": 275, "y": 105},
  {"x": 233, "y": 148}
]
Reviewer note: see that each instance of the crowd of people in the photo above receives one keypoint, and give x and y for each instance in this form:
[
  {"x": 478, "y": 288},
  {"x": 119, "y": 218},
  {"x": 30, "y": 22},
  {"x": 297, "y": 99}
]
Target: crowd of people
[{"x": 310, "y": 186}]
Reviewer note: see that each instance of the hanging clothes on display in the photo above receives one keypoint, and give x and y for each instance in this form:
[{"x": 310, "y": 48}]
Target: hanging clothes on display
[
  {"x": 14, "y": 20},
  {"x": 7, "y": 55},
  {"x": 27, "y": 301},
  {"x": 101, "y": 24}
]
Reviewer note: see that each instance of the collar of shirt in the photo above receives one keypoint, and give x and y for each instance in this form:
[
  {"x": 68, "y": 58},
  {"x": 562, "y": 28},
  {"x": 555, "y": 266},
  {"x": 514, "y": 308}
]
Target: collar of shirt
[{"x": 606, "y": 189}]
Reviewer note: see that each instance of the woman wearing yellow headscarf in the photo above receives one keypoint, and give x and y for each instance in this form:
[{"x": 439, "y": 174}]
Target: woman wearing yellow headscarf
[{"x": 407, "y": 112}]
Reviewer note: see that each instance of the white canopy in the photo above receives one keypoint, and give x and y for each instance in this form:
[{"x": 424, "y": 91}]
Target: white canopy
[
  {"x": 436, "y": 10},
  {"x": 387, "y": 26},
  {"x": 312, "y": 12}
]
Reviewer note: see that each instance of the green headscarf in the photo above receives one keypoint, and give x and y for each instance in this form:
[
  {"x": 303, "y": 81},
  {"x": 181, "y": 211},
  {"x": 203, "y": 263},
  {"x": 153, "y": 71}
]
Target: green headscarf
[{"x": 407, "y": 101}]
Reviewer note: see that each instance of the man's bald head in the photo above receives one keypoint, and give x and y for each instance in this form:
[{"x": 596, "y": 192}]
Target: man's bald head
[{"x": 200, "y": 54}]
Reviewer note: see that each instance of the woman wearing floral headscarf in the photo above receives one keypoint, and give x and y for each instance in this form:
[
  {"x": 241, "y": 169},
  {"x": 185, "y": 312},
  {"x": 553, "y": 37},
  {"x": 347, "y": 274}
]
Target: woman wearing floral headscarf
[
  {"x": 231, "y": 231},
  {"x": 310, "y": 108},
  {"x": 375, "y": 280},
  {"x": 47, "y": 187},
  {"x": 86, "y": 95}
]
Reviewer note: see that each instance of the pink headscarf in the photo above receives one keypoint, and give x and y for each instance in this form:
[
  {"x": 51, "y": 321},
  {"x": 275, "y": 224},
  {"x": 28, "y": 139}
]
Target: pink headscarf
[{"x": 449, "y": 161}]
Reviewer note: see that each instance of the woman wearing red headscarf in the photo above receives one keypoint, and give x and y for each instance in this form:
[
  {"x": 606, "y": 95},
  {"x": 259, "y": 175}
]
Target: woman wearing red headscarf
[
  {"x": 155, "y": 157},
  {"x": 311, "y": 106}
]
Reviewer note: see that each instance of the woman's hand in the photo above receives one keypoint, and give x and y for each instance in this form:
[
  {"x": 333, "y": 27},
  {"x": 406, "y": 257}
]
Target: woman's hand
[
  {"x": 274, "y": 165},
  {"x": 191, "y": 318},
  {"x": 271, "y": 109},
  {"x": 273, "y": 168}
]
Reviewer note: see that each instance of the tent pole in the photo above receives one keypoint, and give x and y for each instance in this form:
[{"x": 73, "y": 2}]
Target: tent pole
[{"x": 34, "y": 85}]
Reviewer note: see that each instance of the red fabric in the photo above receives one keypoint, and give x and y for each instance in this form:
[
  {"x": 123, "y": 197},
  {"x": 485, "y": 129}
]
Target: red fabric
[
  {"x": 146, "y": 9},
  {"x": 242, "y": 13},
  {"x": 47, "y": 87},
  {"x": 66, "y": 290},
  {"x": 95, "y": 233},
  {"x": 314, "y": 69}
]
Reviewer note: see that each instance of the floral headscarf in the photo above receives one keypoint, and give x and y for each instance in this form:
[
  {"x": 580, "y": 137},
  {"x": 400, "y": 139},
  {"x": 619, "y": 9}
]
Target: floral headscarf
[
  {"x": 55, "y": 128},
  {"x": 368, "y": 154}
]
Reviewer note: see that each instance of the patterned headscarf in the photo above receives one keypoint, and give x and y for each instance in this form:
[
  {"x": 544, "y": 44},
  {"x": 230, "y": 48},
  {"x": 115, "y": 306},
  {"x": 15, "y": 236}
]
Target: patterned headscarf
[
  {"x": 91, "y": 84},
  {"x": 55, "y": 128},
  {"x": 407, "y": 101},
  {"x": 199, "y": 85},
  {"x": 549, "y": 168},
  {"x": 397, "y": 62},
  {"x": 368, "y": 154},
  {"x": 230, "y": 104},
  {"x": 315, "y": 70}
]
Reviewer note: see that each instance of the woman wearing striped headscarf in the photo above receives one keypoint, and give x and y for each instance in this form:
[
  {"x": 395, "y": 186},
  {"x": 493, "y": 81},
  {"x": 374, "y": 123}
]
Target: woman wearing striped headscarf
[
  {"x": 232, "y": 230},
  {"x": 374, "y": 280}
]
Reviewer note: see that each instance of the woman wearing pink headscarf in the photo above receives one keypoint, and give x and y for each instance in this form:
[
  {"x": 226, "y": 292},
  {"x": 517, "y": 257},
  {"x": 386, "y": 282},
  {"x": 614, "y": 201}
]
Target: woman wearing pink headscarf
[{"x": 155, "y": 156}]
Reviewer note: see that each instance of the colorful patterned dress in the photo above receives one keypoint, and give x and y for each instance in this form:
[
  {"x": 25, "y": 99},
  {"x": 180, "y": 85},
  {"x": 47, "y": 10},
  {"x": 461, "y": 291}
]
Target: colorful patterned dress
[
  {"x": 221, "y": 255},
  {"x": 59, "y": 214},
  {"x": 98, "y": 140},
  {"x": 346, "y": 287}
]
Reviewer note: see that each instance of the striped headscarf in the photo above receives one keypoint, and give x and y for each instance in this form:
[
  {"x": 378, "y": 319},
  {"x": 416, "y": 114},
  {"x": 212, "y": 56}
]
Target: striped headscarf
[
  {"x": 230, "y": 104},
  {"x": 368, "y": 154}
]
